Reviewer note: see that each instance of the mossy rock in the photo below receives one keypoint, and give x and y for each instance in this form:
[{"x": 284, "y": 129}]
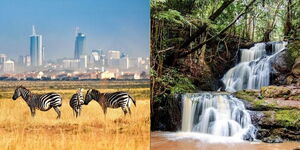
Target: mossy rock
[
  {"x": 253, "y": 100},
  {"x": 275, "y": 91},
  {"x": 248, "y": 95},
  {"x": 288, "y": 118}
]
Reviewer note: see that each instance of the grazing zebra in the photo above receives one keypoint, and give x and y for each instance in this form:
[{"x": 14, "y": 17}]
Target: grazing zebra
[
  {"x": 76, "y": 102},
  {"x": 111, "y": 100},
  {"x": 43, "y": 102}
]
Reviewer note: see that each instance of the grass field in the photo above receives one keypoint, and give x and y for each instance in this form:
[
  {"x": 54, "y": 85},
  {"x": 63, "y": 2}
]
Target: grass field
[{"x": 18, "y": 130}]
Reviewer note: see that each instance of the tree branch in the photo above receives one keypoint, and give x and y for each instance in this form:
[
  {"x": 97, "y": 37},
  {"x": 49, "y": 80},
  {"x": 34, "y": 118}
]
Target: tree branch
[
  {"x": 202, "y": 29},
  {"x": 185, "y": 53}
]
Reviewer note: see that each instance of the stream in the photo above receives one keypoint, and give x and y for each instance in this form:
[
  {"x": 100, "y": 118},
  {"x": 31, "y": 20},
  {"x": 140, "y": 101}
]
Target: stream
[{"x": 192, "y": 141}]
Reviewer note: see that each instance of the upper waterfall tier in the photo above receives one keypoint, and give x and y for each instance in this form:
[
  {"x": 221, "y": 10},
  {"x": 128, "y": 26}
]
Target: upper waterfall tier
[{"x": 254, "y": 69}]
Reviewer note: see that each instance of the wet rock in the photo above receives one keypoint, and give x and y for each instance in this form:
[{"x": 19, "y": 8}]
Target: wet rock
[
  {"x": 281, "y": 68},
  {"x": 267, "y": 119},
  {"x": 280, "y": 63},
  {"x": 166, "y": 115},
  {"x": 289, "y": 79},
  {"x": 263, "y": 133},
  {"x": 273, "y": 139},
  {"x": 296, "y": 68},
  {"x": 256, "y": 116},
  {"x": 275, "y": 91}
]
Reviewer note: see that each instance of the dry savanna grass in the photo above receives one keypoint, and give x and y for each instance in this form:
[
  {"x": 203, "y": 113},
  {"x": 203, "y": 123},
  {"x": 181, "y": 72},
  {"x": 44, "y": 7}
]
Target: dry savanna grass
[{"x": 18, "y": 130}]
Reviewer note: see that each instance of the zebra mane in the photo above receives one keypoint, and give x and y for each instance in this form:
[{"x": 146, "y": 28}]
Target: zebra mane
[
  {"x": 89, "y": 90},
  {"x": 22, "y": 87},
  {"x": 95, "y": 92}
]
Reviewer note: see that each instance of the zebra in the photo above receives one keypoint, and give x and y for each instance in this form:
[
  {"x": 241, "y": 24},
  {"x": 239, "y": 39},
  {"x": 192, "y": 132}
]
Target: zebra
[
  {"x": 76, "y": 102},
  {"x": 111, "y": 100},
  {"x": 43, "y": 102}
]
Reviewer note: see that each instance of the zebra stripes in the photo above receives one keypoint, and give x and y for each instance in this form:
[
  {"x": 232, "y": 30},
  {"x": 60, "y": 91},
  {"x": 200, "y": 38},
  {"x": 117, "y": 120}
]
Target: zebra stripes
[
  {"x": 110, "y": 100},
  {"x": 43, "y": 102},
  {"x": 76, "y": 102}
]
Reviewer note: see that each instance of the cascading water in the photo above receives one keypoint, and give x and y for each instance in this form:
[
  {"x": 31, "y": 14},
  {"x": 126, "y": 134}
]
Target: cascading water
[
  {"x": 216, "y": 114},
  {"x": 221, "y": 114},
  {"x": 254, "y": 69}
]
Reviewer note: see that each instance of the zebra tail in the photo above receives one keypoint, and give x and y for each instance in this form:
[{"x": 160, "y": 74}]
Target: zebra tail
[{"x": 134, "y": 102}]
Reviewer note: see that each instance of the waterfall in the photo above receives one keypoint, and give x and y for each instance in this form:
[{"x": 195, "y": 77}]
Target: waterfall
[
  {"x": 254, "y": 68},
  {"x": 216, "y": 114}
]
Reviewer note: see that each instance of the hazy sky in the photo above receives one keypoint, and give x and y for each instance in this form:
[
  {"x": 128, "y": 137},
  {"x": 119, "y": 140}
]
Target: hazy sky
[{"x": 107, "y": 24}]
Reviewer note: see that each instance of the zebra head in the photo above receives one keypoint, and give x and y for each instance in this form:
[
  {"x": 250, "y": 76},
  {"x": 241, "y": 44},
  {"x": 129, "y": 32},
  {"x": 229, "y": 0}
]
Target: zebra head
[
  {"x": 88, "y": 97},
  {"x": 17, "y": 93},
  {"x": 90, "y": 94},
  {"x": 80, "y": 90}
]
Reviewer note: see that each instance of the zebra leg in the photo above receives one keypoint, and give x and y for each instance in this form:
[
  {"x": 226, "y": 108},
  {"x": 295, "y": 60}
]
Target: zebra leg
[
  {"x": 129, "y": 110},
  {"x": 77, "y": 112},
  {"x": 58, "y": 112},
  {"x": 124, "y": 110},
  {"x": 104, "y": 111},
  {"x": 32, "y": 110}
]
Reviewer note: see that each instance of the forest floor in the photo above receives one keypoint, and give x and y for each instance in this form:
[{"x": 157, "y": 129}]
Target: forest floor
[{"x": 18, "y": 130}]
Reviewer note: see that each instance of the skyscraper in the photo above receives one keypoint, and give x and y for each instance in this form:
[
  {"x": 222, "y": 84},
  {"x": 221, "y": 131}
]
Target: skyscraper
[
  {"x": 112, "y": 54},
  {"x": 3, "y": 58},
  {"x": 36, "y": 49},
  {"x": 9, "y": 66},
  {"x": 79, "y": 45}
]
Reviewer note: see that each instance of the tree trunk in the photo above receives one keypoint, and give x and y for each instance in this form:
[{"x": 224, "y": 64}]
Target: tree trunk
[{"x": 288, "y": 24}]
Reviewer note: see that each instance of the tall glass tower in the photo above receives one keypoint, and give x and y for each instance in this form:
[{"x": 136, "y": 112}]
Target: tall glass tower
[
  {"x": 36, "y": 49},
  {"x": 79, "y": 45}
]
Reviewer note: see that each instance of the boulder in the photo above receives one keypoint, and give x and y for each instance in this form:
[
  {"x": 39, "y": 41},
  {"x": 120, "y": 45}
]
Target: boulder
[
  {"x": 281, "y": 69},
  {"x": 280, "y": 63},
  {"x": 296, "y": 68},
  {"x": 289, "y": 80},
  {"x": 275, "y": 91}
]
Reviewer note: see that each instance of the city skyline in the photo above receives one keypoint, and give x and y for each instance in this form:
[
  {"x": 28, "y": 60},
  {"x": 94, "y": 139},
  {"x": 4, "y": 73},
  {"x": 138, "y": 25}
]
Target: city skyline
[{"x": 106, "y": 27}]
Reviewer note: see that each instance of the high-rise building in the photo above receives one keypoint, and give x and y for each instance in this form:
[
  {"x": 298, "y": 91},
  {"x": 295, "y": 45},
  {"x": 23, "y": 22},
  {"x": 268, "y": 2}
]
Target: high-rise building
[
  {"x": 83, "y": 61},
  {"x": 24, "y": 60},
  {"x": 71, "y": 63},
  {"x": 79, "y": 45},
  {"x": 95, "y": 56},
  {"x": 112, "y": 54},
  {"x": 124, "y": 63},
  {"x": 3, "y": 58},
  {"x": 36, "y": 49},
  {"x": 8, "y": 66}
]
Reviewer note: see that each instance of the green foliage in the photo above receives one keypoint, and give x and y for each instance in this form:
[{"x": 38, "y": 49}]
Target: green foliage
[
  {"x": 172, "y": 16},
  {"x": 173, "y": 82},
  {"x": 294, "y": 50},
  {"x": 182, "y": 84}
]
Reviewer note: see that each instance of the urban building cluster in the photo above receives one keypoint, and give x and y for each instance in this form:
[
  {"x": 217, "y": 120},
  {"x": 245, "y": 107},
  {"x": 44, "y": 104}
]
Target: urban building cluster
[{"x": 94, "y": 64}]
